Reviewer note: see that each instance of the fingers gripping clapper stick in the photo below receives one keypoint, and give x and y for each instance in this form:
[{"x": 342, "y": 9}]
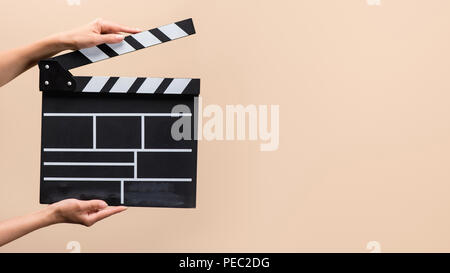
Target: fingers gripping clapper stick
[
  {"x": 54, "y": 74},
  {"x": 111, "y": 138}
]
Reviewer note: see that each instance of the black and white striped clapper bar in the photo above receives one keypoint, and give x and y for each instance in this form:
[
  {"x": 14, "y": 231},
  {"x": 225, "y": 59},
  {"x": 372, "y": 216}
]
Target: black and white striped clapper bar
[{"x": 111, "y": 138}]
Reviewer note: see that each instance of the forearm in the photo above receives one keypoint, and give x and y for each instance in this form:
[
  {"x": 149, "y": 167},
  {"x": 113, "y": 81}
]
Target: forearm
[
  {"x": 15, "y": 228},
  {"x": 16, "y": 61}
]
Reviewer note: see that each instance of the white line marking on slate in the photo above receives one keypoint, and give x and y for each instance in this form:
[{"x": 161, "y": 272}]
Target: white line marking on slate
[
  {"x": 89, "y": 164},
  {"x": 135, "y": 164},
  {"x": 117, "y": 179},
  {"x": 142, "y": 132},
  {"x": 117, "y": 114},
  {"x": 121, "y": 192},
  {"x": 94, "y": 132},
  {"x": 117, "y": 150}
]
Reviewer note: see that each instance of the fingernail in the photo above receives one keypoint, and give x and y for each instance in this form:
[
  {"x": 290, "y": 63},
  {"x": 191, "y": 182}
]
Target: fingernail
[{"x": 120, "y": 36}]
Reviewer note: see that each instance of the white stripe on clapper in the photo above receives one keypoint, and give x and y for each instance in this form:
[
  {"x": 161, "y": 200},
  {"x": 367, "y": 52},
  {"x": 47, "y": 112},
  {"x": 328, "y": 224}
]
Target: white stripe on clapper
[
  {"x": 94, "y": 54},
  {"x": 121, "y": 48},
  {"x": 95, "y": 84},
  {"x": 150, "y": 85},
  {"x": 146, "y": 38},
  {"x": 122, "y": 85},
  {"x": 177, "y": 86},
  {"x": 173, "y": 31}
]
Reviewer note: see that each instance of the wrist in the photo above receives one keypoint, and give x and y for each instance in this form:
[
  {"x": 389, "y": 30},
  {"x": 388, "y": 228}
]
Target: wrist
[
  {"x": 61, "y": 41},
  {"x": 44, "y": 48},
  {"x": 50, "y": 216}
]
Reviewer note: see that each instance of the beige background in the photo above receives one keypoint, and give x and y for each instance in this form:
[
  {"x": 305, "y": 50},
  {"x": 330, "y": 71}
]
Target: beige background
[{"x": 364, "y": 129}]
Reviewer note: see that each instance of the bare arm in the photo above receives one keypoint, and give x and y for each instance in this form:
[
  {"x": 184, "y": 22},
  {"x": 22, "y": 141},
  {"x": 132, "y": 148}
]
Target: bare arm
[
  {"x": 15, "y": 61},
  {"x": 68, "y": 211}
]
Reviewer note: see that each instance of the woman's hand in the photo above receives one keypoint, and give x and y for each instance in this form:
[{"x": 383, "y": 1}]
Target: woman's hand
[
  {"x": 16, "y": 61},
  {"x": 85, "y": 213},
  {"x": 97, "y": 32},
  {"x": 73, "y": 211}
]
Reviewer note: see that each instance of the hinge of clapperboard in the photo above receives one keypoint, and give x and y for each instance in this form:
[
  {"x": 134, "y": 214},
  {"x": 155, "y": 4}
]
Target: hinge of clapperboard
[{"x": 55, "y": 75}]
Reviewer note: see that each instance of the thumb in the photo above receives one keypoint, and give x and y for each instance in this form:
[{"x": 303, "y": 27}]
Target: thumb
[
  {"x": 110, "y": 38},
  {"x": 93, "y": 205}
]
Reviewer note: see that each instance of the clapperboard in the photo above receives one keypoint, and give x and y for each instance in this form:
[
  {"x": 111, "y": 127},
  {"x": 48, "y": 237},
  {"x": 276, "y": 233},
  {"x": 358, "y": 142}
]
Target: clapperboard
[{"x": 110, "y": 138}]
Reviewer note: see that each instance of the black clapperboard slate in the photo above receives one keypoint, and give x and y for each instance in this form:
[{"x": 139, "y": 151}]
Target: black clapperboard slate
[{"x": 110, "y": 138}]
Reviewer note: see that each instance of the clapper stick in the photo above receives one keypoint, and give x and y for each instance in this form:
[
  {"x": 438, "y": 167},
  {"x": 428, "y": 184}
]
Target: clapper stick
[
  {"x": 111, "y": 138},
  {"x": 54, "y": 74}
]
